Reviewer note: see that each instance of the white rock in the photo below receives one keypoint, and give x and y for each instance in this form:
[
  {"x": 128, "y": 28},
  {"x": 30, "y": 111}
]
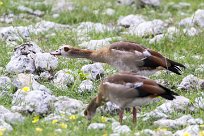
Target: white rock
[
  {"x": 199, "y": 17},
  {"x": 86, "y": 86},
  {"x": 199, "y": 102},
  {"x": 196, "y": 19},
  {"x": 192, "y": 130},
  {"x": 131, "y": 20},
  {"x": 96, "y": 126},
  {"x": 56, "y": 116},
  {"x": 94, "y": 70},
  {"x": 187, "y": 22},
  {"x": 151, "y": 2},
  {"x": 86, "y": 27},
  {"x": 45, "y": 62},
  {"x": 109, "y": 12},
  {"x": 181, "y": 5},
  {"x": 191, "y": 31},
  {"x": 125, "y": 2},
  {"x": 182, "y": 121},
  {"x": 27, "y": 80},
  {"x": 60, "y": 5},
  {"x": 12, "y": 34},
  {"x": 109, "y": 108},
  {"x": 10, "y": 117},
  {"x": 178, "y": 104},
  {"x": 36, "y": 101},
  {"x": 172, "y": 30},
  {"x": 68, "y": 105},
  {"x": 63, "y": 78},
  {"x": 95, "y": 44},
  {"x": 6, "y": 126},
  {"x": 25, "y": 9},
  {"x": 22, "y": 59},
  {"x": 46, "y": 75},
  {"x": 5, "y": 85},
  {"x": 120, "y": 129},
  {"x": 191, "y": 82},
  {"x": 156, "y": 39},
  {"x": 148, "y": 28},
  {"x": 150, "y": 132}
]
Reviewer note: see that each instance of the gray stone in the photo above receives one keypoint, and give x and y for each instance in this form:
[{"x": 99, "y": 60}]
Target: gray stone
[
  {"x": 95, "y": 44},
  {"x": 182, "y": 121},
  {"x": 120, "y": 129},
  {"x": 151, "y": 2},
  {"x": 199, "y": 102},
  {"x": 86, "y": 27},
  {"x": 10, "y": 117},
  {"x": 46, "y": 75},
  {"x": 5, "y": 126},
  {"x": 86, "y": 86},
  {"x": 109, "y": 108},
  {"x": 156, "y": 39},
  {"x": 27, "y": 80},
  {"x": 199, "y": 18},
  {"x": 192, "y": 130},
  {"x": 131, "y": 20},
  {"x": 56, "y": 116},
  {"x": 191, "y": 82},
  {"x": 68, "y": 105},
  {"x": 36, "y": 101},
  {"x": 125, "y": 2},
  {"x": 162, "y": 111},
  {"x": 63, "y": 78},
  {"x": 150, "y": 132},
  {"x": 5, "y": 85},
  {"x": 186, "y": 22},
  {"x": 61, "y": 5},
  {"x": 45, "y": 62},
  {"x": 109, "y": 12},
  {"x": 94, "y": 71},
  {"x": 148, "y": 28},
  {"x": 96, "y": 126},
  {"x": 23, "y": 59},
  {"x": 191, "y": 31}
]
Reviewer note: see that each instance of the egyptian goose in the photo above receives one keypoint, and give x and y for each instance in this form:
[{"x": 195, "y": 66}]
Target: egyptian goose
[
  {"x": 127, "y": 90},
  {"x": 125, "y": 56}
]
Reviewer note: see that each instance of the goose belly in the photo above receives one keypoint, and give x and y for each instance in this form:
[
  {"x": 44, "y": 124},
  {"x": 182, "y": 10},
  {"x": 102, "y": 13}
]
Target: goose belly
[{"x": 139, "y": 101}]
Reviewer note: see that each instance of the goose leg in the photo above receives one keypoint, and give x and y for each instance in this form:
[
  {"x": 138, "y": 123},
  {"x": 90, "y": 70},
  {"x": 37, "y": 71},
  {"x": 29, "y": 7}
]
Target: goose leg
[
  {"x": 134, "y": 114},
  {"x": 121, "y": 115}
]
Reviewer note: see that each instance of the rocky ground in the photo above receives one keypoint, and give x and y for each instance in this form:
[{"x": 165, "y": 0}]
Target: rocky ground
[{"x": 44, "y": 95}]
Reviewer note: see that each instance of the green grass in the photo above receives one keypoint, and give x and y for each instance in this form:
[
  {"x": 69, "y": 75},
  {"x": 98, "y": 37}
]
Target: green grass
[{"x": 182, "y": 45}]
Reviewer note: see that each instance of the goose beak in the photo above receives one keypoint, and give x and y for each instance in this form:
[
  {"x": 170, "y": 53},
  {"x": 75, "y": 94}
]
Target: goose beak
[{"x": 55, "y": 53}]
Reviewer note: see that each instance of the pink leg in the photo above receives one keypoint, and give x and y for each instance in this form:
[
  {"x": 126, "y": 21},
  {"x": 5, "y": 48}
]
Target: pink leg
[
  {"x": 134, "y": 114},
  {"x": 121, "y": 115}
]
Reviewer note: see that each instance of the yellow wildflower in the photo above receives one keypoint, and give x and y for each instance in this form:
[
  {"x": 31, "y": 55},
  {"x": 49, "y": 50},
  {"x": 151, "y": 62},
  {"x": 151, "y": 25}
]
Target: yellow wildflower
[
  {"x": 161, "y": 129},
  {"x": 54, "y": 121},
  {"x": 73, "y": 117},
  {"x": 63, "y": 125},
  {"x": 2, "y": 130},
  {"x": 201, "y": 133},
  {"x": 38, "y": 129},
  {"x": 202, "y": 125},
  {"x": 26, "y": 89},
  {"x": 103, "y": 119},
  {"x": 1, "y": 3},
  {"x": 105, "y": 134},
  {"x": 186, "y": 134},
  {"x": 36, "y": 119}
]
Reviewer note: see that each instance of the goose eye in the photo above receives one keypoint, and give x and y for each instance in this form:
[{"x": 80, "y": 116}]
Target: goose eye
[
  {"x": 66, "y": 49},
  {"x": 85, "y": 113}
]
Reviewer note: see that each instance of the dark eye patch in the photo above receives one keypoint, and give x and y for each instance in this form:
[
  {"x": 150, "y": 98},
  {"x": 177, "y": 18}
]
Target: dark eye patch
[{"x": 66, "y": 49}]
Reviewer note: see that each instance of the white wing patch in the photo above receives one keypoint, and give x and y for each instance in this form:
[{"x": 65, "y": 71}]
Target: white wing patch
[
  {"x": 138, "y": 84},
  {"x": 146, "y": 53}
]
